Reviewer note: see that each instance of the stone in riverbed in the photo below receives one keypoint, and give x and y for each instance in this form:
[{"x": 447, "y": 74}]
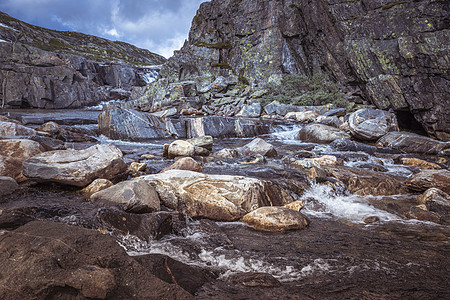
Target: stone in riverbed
[
  {"x": 216, "y": 197},
  {"x": 96, "y": 186},
  {"x": 371, "y": 124},
  {"x": 185, "y": 163},
  {"x": 319, "y": 133},
  {"x": 136, "y": 196},
  {"x": 76, "y": 167},
  {"x": 420, "y": 163},
  {"x": 345, "y": 144},
  {"x": 205, "y": 141},
  {"x": 365, "y": 182},
  {"x": 259, "y": 146},
  {"x": 15, "y": 129},
  {"x": 144, "y": 226},
  {"x": 7, "y": 185},
  {"x": 436, "y": 201},
  {"x": 254, "y": 279},
  {"x": 304, "y": 117},
  {"x": 276, "y": 219},
  {"x": 226, "y": 153},
  {"x": 137, "y": 166},
  {"x": 13, "y": 152},
  {"x": 412, "y": 143},
  {"x": 180, "y": 148},
  {"x": 430, "y": 179}
]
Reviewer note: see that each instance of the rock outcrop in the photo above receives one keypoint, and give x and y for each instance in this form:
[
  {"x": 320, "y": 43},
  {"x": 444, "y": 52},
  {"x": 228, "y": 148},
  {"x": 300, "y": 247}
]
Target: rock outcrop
[
  {"x": 41, "y": 68},
  {"x": 393, "y": 53}
]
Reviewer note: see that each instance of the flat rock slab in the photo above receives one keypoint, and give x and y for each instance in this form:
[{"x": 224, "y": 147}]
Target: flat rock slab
[
  {"x": 412, "y": 143},
  {"x": 76, "y": 167}
]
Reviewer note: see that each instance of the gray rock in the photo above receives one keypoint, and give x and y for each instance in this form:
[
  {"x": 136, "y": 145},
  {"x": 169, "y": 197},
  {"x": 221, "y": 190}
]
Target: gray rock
[
  {"x": 14, "y": 129},
  {"x": 7, "y": 186},
  {"x": 205, "y": 141},
  {"x": 128, "y": 124},
  {"x": 134, "y": 196},
  {"x": 259, "y": 146},
  {"x": 180, "y": 148},
  {"x": 412, "y": 143},
  {"x": 345, "y": 144},
  {"x": 370, "y": 124},
  {"x": 318, "y": 133},
  {"x": 330, "y": 121},
  {"x": 78, "y": 168},
  {"x": 250, "y": 111}
]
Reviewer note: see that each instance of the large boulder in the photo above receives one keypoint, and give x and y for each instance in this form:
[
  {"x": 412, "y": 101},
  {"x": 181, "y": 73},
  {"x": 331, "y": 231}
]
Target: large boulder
[
  {"x": 319, "y": 133},
  {"x": 14, "y": 129},
  {"x": 223, "y": 127},
  {"x": 259, "y": 146},
  {"x": 76, "y": 167},
  {"x": 412, "y": 143},
  {"x": 129, "y": 124},
  {"x": 250, "y": 111},
  {"x": 216, "y": 197},
  {"x": 48, "y": 260},
  {"x": 180, "y": 148},
  {"x": 13, "y": 152},
  {"x": 371, "y": 124},
  {"x": 276, "y": 219},
  {"x": 365, "y": 182},
  {"x": 136, "y": 196},
  {"x": 430, "y": 179}
]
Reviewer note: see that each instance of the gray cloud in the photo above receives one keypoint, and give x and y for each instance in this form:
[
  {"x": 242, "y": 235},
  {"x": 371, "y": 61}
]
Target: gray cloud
[{"x": 158, "y": 25}]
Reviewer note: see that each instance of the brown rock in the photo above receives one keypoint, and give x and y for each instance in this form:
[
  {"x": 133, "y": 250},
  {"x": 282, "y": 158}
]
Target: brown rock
[
  {"x": 138, "y": 167},
  {"x": 296, "y": 205},
  {"x": 276, "y": 219},
  {"x": 430, "y": 178},
  {"x": 7, "y": 186},
  {"x": 180, "y": 148},
  {"x": 366, "y": 182},
  {"x": 319, "y": 133},
  {"x": 185, "y": 163},
  {"x": 13, "y": 152},
  {"x": 48, "y": 260},
  {"x": 96, "y": 186},
  {"x": 420, "y": 163}
]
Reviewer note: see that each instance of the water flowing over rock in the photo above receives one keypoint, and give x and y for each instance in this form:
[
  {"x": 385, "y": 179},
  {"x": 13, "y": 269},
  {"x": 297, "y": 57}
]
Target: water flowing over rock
[
  {"x": 412, "y": 143},
  {"x": 78, "y": 168},
  {"x": 74, "y": 263},
  {"x": 389, "y": 53},
  {"x": 319, "y": 133},
  {"x": 276, "y": 219},
  {"x": 216, "y": 197},
  {"x": 371, "y": 124},
  {"x": 54, "y": 69},
  {"x": 430, "y": 179}
]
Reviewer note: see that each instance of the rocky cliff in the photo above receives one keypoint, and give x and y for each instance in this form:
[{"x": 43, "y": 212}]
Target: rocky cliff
[
  {"x": 42, "y": 68},
  {"x": 395, "y": 54}
]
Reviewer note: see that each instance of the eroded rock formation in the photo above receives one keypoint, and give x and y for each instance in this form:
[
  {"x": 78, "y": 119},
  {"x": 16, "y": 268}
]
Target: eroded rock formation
[{"x": 393, "y": 53}]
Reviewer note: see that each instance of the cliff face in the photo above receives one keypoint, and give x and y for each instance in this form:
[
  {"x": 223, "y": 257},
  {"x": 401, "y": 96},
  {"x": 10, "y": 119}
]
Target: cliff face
[
  {"x": 395, "y": 54},
  {"x": 42, "y": 68}
]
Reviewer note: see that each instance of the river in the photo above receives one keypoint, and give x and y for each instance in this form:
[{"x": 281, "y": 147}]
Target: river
[{"x": 338, "y": 256}]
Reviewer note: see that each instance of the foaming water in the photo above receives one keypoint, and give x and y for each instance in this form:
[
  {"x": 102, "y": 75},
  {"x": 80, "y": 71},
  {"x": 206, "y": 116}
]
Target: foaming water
[
  {"x": 105, "y": 140},
  {"x": 195, "y": 249},
  {"x": 387, "y": 163},
  {"x": 324, "y": 201},
  {"x": 102, "y": 104},
  {"x": 286, "y": 133}
]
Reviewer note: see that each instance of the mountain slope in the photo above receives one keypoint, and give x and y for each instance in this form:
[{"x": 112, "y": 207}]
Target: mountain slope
[
  {"x": 43, "y": 68},
  {"x": 394, "y": 54}
]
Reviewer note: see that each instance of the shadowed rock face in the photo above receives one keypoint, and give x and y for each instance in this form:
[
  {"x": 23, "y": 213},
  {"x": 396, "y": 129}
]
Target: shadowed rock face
[
  {"x": 393, "y": 53},
  {"x": 42, "y": 68}
]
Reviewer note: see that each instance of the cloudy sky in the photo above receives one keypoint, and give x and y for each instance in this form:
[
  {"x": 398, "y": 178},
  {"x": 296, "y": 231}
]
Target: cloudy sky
[{"x": 158, "y": 25}]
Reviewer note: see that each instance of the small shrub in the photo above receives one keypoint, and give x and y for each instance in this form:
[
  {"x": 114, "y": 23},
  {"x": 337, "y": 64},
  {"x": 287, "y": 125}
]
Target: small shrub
[{"x": 306, "y": 91}]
